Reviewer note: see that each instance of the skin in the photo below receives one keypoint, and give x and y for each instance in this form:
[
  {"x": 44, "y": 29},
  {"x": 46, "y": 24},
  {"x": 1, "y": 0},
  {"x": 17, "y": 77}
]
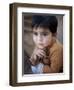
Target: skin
[{"x": 42, "y": 38}]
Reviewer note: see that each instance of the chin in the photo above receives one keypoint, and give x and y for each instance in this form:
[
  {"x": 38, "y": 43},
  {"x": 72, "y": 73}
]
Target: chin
[{"x": 42, "y": 47}]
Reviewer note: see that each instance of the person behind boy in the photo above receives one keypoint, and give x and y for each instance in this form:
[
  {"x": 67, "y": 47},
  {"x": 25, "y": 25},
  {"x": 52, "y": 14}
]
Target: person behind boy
[{"x": 47, "y": 56}]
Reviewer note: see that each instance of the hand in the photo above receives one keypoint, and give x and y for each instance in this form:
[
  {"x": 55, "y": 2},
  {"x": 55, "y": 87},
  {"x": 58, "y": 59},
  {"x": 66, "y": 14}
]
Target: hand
[
  {"x": 46, "y": 61},
  {"x": 37, "y": 54},
  {"x": 46, "y": 69}
]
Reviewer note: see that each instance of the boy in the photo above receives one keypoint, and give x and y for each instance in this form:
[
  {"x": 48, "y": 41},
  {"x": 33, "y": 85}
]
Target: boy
[{"x": 47, "y": 56}]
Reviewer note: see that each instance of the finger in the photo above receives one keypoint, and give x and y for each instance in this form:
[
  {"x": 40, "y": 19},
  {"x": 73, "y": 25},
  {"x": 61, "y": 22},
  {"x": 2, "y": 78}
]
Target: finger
[
  {"x": 39, "y": 50},
  {"x": 39, "y": 53},
  {"x": 42, "y": 51},
  {"x": 42, "y": 54},
  {"x": 35, "y": 57}
]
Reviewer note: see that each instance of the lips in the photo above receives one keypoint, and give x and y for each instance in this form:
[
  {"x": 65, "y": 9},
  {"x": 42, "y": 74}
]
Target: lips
[{"x": 40, "y": 44}]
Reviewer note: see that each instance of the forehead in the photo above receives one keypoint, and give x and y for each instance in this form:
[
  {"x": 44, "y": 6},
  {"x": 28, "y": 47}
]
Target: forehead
[{"x": 40, "y": 29}]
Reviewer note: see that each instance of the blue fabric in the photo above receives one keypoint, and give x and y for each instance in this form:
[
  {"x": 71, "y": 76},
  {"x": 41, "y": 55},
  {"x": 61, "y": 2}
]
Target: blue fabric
[{"x": 37, "y": 68}]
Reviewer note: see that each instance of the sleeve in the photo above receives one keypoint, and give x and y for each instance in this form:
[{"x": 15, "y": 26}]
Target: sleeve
[
  {"x": 56, "y": 60},
  {"x": 26, "y": 64}
]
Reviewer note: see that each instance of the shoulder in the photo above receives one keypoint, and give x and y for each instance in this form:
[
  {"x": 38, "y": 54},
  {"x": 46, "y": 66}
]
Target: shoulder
[{"x": 56, "y": 47}]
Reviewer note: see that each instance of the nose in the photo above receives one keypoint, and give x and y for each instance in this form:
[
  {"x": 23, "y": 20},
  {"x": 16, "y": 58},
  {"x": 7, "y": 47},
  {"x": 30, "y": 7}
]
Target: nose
[{"x": 39, "y": 38}]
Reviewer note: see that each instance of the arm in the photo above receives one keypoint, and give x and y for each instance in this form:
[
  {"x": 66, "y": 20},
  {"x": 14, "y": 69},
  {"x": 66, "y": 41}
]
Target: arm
[
  {"x": 56, "y": 62},
  {"x": 37, "y": 56}
]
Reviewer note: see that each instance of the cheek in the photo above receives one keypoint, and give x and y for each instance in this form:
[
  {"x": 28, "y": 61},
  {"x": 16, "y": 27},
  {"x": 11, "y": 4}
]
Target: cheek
[
  {"x": 47, "y": 40},
  {"x": 34, "y": 39}
]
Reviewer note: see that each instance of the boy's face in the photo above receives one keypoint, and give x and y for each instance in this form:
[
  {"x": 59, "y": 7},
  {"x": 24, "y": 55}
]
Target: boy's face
[{"x": 42, "y": 37}]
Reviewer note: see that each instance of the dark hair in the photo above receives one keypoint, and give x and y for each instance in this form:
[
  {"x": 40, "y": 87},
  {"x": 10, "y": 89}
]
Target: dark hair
[{"x": 49, "y": 22}]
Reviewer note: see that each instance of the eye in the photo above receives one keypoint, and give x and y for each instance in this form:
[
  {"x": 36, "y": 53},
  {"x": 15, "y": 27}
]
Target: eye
[
  {"x": 35, "y": 33},
  {"x": 45, "y": 34}
]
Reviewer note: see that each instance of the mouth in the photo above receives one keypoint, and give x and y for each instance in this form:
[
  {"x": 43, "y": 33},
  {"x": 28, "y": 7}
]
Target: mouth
[{"x": 40, "y": 44}]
